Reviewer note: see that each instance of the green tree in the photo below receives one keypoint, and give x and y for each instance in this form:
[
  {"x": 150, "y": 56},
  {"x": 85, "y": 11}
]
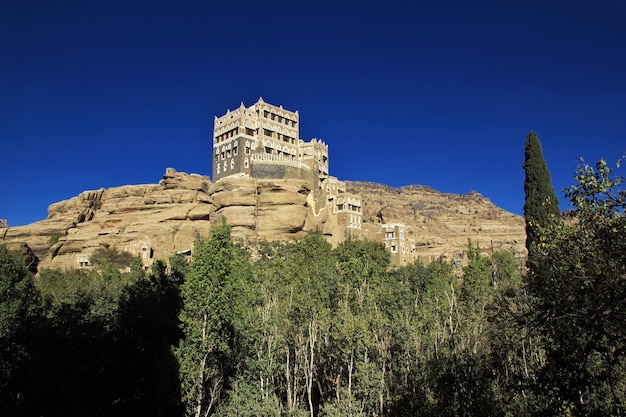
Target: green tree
[
  {"x": 19, "y": 312},
  {"x": 206, "y": 352},
  {"x": 541, "y": 205},
  {"x": 104, "y": 346},
  {"x": 478, "y": 279},
  {"x": 146, "y": 330},
  {"x": 19, "y": 297},
  {"x": 359, "y": 361},
  {"x": 516, "y": 353},
  {"x": 298, "y": 284},
  {"x": 120, "y": 259},
  {"x": 246, "y": 400},
  {"x": 580, "y": 286}
]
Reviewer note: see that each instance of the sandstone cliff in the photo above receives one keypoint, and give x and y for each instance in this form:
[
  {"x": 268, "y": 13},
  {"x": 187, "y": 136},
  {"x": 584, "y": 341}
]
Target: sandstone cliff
[
  {"x": 170, "y": 215},
  {"x": 441, "y": 223}
]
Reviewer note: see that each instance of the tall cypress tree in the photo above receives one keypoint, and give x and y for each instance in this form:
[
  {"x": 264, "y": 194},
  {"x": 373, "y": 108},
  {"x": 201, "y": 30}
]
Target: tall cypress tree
[{"x": 541, "y": 204}]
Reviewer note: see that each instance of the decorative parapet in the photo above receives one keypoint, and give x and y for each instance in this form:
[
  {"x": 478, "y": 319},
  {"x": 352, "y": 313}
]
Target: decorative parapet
[
  {"x": 260, "y": 118},
  {"x": 278, "y": 160}
]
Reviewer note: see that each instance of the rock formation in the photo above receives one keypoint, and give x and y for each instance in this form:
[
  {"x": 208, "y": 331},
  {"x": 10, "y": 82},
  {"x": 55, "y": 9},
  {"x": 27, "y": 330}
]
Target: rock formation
[
  {"x": 441, "y": 223},
  {"x": 167, "y": 217}
]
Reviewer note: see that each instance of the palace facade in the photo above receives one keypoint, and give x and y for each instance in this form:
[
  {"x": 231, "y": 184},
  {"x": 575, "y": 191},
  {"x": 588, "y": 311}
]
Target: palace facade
[{"x": 263, "y": 141}]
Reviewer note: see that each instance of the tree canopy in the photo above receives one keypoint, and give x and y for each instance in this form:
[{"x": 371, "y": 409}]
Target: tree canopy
[
  {"x": 541, "y": 205},
  {"x": 580, "y": 287},
  {"x": 304, "y": 329}
]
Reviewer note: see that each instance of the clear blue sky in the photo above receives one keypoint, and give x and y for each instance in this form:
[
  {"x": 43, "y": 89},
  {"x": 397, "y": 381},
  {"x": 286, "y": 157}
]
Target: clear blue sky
[{"x": 442, "y": 93}]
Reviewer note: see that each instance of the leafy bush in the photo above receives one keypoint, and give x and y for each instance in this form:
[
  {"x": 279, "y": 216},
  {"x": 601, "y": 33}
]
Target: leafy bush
[
  {"x": 120, "y": 259},
  {"x": 55, "y": 238}
]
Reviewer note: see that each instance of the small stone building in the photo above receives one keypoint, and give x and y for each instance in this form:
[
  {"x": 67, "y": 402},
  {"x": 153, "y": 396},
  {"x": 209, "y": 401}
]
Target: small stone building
[
  {"x": 143, "y": 248},
  {"x": 402, "y": 247}
]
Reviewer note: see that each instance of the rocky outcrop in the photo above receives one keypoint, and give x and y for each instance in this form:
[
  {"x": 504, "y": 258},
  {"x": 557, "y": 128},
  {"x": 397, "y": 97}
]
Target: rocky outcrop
[
  {"x": 30, "y": 259},
  {"x": 167, "y": 218},
  {"x": 263, "y": 208},
  {"x": 441, "y": 223}
]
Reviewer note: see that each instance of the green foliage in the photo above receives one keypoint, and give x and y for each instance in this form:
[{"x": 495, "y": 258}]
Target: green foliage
[
  {"x": 178, "y": 267},
  {"x": 336, "y": 332},
  {"x": 147, "y": 329},
  {"x": 18, "y": 296},
  {"x": 100, "y": 289},
  {"x": 597, "y": 196},
  {"x": 92, "y": 344},
  {"x": 246, "y": 400},
  {"x": 103, "y": 255},
  {"x": 580, "y": 286},
  {"x": 310, "y": 330},
  {"x": 478, "y": 277},
  {"x": 54, "y": 238},
  {"x": 303, "y": 330},
  {"x": 209, "y": 299},
  {"x": 541, "y": 206},
  {"x": 506, "y": 274},
  {"x": 19, "y": 314}
]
